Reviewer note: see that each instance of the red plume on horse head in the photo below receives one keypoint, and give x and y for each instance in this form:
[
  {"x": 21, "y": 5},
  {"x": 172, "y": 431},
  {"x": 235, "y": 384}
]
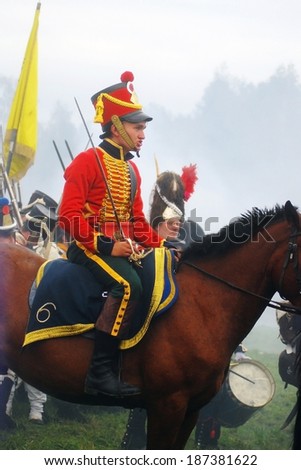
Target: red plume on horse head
[{"x": 189, "y": 178}]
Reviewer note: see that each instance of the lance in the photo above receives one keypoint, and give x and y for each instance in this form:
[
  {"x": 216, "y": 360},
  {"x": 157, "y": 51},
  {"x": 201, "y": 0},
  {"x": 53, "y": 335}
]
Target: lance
[
  {"x": 19, "y": 194},
  {"x": 58, "y": 154},
  {"x": 69, "y": 150},
  {"x": 12, "y": 196},
  {"x": 102, "y": 171}
]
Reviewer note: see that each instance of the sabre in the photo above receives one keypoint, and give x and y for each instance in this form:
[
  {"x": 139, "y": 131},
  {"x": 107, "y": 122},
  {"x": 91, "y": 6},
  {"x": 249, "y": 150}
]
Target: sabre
[{"x": 102, "y": 172}]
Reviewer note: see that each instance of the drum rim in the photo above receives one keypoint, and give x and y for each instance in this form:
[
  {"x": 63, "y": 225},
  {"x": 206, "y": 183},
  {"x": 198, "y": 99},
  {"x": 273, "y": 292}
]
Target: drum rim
[{"x": 264, "y": 369}]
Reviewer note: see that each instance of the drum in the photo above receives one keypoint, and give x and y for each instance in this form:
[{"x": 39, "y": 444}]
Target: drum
[{"x": 248, "y": 387}]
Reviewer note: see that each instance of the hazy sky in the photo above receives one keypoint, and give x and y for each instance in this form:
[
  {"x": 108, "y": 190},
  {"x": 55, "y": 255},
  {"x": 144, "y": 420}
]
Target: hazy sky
[{"x": 174, "y": 47}]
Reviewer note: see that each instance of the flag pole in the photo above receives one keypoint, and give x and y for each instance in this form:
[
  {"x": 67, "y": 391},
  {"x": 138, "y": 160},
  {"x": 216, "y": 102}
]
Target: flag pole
[
  {"x": 1, "y": 160},
  {"x": 9, "y": 188},
  {"x": 19, "y": 194}
]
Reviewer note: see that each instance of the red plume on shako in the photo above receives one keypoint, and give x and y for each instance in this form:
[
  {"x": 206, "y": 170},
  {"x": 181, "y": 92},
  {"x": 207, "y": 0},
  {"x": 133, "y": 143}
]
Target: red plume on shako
[{"x": 189, "y": 178}]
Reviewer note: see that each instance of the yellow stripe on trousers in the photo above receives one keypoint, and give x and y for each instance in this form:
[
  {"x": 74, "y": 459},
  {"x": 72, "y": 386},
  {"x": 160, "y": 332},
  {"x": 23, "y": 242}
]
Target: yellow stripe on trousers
[{"x": 127, "y": 288}]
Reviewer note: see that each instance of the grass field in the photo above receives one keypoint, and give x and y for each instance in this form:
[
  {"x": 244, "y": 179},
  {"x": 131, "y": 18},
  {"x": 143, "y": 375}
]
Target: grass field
[{"x": 104, "y": 427}]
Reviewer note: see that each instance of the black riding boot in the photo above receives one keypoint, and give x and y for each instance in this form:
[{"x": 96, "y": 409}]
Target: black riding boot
[
  {"x": 101, "y": 378},
  {"x": 6, "y": 422}
]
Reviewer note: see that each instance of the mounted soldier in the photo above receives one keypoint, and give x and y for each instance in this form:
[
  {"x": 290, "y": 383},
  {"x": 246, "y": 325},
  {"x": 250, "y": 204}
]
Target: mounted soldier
[
  {"x": 39, "y": 223},
  {"x": 102, "y": 209}
]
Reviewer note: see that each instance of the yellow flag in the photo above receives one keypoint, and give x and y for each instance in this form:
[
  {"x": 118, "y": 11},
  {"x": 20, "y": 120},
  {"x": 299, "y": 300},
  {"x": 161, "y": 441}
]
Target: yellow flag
[{"x": 20, "y": 141}]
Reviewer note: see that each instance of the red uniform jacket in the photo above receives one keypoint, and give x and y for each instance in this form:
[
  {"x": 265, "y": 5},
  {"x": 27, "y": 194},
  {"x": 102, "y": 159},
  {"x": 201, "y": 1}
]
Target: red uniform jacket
[{"x": 86, "y": 210}]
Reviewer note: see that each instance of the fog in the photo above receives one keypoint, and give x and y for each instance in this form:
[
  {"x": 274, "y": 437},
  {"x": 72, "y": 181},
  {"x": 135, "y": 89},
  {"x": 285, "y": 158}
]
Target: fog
[{"x": 245, "y": 139}]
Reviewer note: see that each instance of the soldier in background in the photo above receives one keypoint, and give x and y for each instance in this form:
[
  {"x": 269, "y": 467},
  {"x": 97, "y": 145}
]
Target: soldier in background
[
  {"x": 41, "y": 234},
  {"x": 9, "y": 382},
  {"x": 39, "y": 220},
  {"x": 290, "y": 335}
]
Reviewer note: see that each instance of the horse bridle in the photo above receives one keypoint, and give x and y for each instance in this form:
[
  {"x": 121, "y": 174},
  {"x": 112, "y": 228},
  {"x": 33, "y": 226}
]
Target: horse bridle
[{"x": 291, "y": 257}]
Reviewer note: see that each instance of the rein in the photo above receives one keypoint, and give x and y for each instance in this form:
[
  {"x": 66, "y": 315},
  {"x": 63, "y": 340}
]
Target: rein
[
  {"x": 290, "y": 257},
  {"x": 271, "y": 303}
]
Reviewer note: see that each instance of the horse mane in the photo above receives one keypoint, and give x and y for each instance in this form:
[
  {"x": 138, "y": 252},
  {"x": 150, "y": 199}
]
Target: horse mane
[{"x": 238, "y": 232}]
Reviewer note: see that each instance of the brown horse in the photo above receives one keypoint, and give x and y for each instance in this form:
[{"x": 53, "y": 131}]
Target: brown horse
[{"x": 225, "y": 284}]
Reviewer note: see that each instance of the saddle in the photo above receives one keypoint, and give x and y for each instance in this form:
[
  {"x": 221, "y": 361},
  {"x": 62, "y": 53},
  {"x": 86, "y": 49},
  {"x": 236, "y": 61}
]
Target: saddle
[{"x": 66, "y": 300}]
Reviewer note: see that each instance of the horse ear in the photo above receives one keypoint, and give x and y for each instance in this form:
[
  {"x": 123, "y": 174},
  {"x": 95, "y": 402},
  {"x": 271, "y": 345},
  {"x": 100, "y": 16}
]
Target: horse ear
[{"x": 291, "y": 214}]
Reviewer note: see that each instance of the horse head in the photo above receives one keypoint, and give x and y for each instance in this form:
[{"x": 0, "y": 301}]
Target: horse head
[{"x": 286, "y": 271}]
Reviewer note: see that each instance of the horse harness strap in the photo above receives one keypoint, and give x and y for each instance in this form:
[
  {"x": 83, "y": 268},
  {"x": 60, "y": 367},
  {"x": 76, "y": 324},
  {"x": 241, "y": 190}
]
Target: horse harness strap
[{"x": 291, "y": 257}]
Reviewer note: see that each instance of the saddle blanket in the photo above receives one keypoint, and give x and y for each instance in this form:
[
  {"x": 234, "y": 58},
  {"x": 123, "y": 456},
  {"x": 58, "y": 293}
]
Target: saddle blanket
[{"x": 65, "y": 299}]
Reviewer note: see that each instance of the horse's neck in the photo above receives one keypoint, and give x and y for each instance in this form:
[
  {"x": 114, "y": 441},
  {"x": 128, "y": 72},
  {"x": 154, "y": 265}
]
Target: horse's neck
[
  {"x": 245, "y": 268},
  {"x": 238, "y": 280}
]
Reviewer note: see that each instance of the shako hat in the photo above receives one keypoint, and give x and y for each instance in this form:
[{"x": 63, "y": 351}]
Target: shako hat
[
  {"x": 38, "y": 197},
  {"x": 8, "y": 224},
  {"x": 41, "y": 208},
  {"x": 170, "y": 193},
  {"x": 118, "y": 100},
  {"x": 41, "y": 213}
]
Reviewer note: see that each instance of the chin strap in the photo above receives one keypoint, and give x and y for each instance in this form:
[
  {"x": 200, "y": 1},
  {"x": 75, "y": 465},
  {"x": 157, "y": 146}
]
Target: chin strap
[{"x": 124, "y": 135}]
